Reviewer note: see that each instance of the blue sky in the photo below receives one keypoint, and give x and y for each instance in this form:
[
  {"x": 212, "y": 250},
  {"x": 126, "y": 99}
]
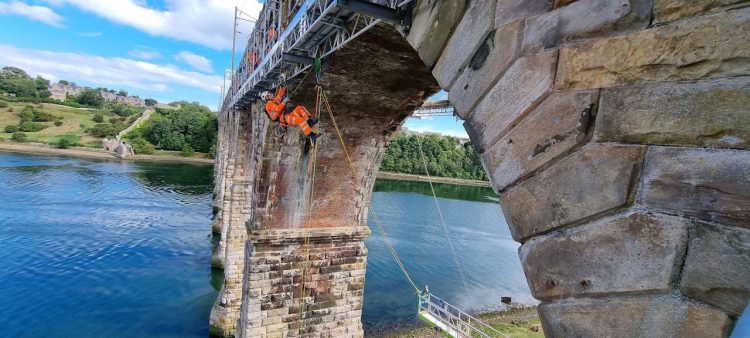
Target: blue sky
[{"x": 167, "y": 49}]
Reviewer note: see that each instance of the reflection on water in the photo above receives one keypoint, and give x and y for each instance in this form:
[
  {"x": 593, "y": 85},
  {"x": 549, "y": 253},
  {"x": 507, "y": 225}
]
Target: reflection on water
[
  {"x": 111, "y": 249},
  {"x": 487, "y": 253},
  {"x": 104, "y": 249}
]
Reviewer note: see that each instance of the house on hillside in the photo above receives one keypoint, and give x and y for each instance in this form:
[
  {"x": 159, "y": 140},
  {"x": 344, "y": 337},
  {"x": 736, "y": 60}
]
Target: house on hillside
[{"x": 60, "y": 91}]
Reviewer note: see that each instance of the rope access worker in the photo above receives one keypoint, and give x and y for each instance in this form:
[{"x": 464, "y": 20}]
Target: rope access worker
[{"x": 299, "y": 116}]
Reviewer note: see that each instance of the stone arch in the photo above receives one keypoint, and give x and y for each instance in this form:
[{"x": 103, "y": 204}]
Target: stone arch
[{"x": 615, "y": 131}]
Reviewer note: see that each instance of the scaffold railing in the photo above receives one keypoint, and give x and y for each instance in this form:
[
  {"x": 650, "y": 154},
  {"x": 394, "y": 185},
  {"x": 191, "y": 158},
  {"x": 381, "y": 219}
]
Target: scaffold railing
[
  {"x": 316, "y": 29},
  {"x": 453, "y": 320}
]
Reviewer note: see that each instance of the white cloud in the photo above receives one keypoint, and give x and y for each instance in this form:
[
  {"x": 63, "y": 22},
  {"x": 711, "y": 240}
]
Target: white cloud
[
  {"x": 38, "y": 13},
  {"x": 106, "y": 71},
  {"x": 206, "y": 22},
  {"x": 196, "y": 61},
  {"x": 145, "y": 54}
]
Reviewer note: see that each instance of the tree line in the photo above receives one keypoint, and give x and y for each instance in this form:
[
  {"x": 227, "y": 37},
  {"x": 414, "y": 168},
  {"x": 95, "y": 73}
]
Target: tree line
[
  {"x": 446, "y": 157},
  {"x": 189, "y": 129},
  {"x": 23, "y": 87}
]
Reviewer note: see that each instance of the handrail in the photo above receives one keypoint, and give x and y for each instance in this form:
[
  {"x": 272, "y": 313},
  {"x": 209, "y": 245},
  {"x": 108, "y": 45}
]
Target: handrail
[{"x": 465, "y": 324}]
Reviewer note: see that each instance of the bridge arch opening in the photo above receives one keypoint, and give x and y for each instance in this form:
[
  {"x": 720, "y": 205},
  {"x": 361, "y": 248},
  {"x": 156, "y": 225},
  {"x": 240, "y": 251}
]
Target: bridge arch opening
[{"x": 616, "y": 196}]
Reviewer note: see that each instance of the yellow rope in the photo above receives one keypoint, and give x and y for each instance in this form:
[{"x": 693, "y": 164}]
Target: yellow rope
[
  {"x": 369, "y": 204},
  {"x": 309, "y": 218}
]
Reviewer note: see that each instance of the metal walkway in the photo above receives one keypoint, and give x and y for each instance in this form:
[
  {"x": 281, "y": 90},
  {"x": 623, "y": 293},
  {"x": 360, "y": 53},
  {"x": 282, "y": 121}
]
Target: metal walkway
[
  {"x": 452, "y": 320},
  {"x": 309, "y": 29},
  {"x": 434, "y": 108}
]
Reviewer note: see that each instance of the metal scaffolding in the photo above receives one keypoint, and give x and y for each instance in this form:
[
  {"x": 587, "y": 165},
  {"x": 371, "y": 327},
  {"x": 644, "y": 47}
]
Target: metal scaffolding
[{"x": 290, "y": 34}]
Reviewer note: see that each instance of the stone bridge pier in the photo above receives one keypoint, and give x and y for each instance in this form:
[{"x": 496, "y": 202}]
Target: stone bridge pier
[{"x": 617, "y": 133}]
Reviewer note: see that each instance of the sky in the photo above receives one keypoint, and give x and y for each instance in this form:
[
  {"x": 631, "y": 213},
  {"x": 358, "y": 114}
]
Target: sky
[{"x": 168, "y": 50}]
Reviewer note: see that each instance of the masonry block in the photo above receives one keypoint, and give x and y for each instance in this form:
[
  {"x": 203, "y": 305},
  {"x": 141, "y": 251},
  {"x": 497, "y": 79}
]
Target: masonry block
[
  {"x": 474, "y": 27},
  {"x": 523, "y": 86},
  {"x": 636, "y": 316},
  {"x": 707, "y": 184},
  {"x": 716, "y": 268},
  {"x": 632, "y": 252},
  {"x": 593, "y": 180},
  {"x": 710, "y": 46},
  {"x": 711, "y": 113},
  {"x": 669, "y": 10},
  {"x": 557, "y": 125},
  {"x": 584, "y": 18},
  {"x": 497, "y": 52},
  {"x": 512, "y": 10},
  {"x": 432, "y": 25}
]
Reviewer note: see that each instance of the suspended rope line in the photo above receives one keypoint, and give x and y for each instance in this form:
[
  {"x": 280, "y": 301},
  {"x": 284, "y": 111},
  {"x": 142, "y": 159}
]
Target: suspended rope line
[
  {"x": 311, "y": 203},
  {"x": 301, "y": 82},
  {"x": 442, "y": 220},
  {"x": 369, "y": 203}
]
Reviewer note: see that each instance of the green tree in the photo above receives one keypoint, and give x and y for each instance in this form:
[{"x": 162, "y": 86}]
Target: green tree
[
  {"x": 445, "y": 156},
  {"x": 150, "y": 102},
  {"x": 192, "y": 124},
  {"x": 11, "y": 128},
  {"x": 41, "y": 83},
  {"x": 90, "y": 97},
  {"x": 13, "y": 73},
  {"x": 122, "y": 93},
  {"x": 31, "y": 127},
  {"x": 18, "y": 137}
]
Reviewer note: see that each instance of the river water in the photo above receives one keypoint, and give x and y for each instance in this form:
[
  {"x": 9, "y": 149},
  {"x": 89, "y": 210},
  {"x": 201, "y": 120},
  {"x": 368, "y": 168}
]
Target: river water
[{"x": 109, "y": 249}]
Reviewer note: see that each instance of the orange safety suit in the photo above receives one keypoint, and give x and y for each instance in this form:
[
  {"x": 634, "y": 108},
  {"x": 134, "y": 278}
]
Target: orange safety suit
[{"x": 298, "y": 116}]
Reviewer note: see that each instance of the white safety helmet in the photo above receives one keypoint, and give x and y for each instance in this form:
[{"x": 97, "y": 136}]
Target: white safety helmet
[{"x": 265, "y": 96}]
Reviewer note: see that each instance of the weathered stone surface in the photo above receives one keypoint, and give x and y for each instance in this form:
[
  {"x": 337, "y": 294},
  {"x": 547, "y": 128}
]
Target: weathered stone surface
[
  {"x": 668, "y": 10},
  {"x": 597, "y": 178},
  {"x": 524, "y": 85},
  {"x": 705, "y": 47},
  {"x": 717, "y": 267},
  {"x": 497, "y": 52},
  {"x": 557, "y": 125},
  {"x": 474, "y": 27},
  {"x": 708, "y": 184},
  {"x": 582, "y": 19},
  {"x": 636, "y": 316},
  {"x": 711, "y": 113},
  {"x": 432, "y": 25},
  {"x": 512, "y": 10},
  {"x": 632, "y": 252},
  {"x": 331, "y": 263}
]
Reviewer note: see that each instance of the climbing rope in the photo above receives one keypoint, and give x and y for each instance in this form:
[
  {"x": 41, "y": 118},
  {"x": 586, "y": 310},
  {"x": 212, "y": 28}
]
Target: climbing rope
[
  {"x": 369, "y": 203},
  {"x": 311, "y": 203},
  {"x": 442, "y": 220}
]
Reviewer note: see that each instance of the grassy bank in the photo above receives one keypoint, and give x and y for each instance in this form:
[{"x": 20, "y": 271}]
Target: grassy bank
[
  {"x": 75, "y": 122},
  {"x": 515, "y": 323},
  {"x": 435, "y": 179},
  {"x": 95, "y": 153}
]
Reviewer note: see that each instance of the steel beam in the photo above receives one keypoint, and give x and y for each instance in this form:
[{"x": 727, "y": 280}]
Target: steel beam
[
  {"x": 373, "y": 10},
  {"x": 297, "y": 59}
]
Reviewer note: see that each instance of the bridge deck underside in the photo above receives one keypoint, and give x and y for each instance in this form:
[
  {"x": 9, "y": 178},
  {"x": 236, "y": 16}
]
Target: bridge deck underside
[{"x": 372, "y": 85}]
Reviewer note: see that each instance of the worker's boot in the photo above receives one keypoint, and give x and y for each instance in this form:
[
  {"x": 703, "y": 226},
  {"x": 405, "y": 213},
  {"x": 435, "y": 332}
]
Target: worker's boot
[
  {"x": 312, "y": 121},
  {"x": 314, "y": 136}
]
